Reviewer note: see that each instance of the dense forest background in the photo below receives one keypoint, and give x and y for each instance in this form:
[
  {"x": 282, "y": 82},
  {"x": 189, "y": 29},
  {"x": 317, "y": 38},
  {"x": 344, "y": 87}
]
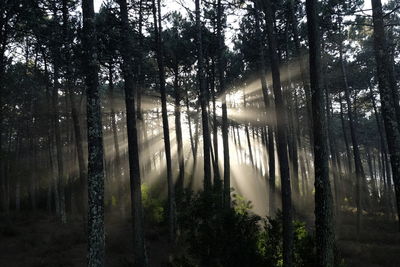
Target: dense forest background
[{"x": 199, "y": 133}]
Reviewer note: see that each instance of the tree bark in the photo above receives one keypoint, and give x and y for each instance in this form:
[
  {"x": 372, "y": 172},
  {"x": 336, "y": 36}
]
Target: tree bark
[
  {"x": 298, "y": 53},
  {"x": 385, "y": 170},
  {"x": 360, "y": 176},
  {"x": 96, "y": 236},
  {"x": 332, "y": 148},
  {"x": 178, "y": 132},
  {"x": 117, "y": 171},
  {"x": 75, "y": 114},
  {"x": 164, "y": 114},
  {"x": 59, "y": 146},
  {"x": 203, "y": 101},
  {"x": 217, "y": 177},
  {"x": 281, "y": 118},
  {"x": 372, "y": 176},
  {"x": 346, "y": 141},
  {"x": 323, "y": 197},
  {"x": 387, "y": 85},
  {"x": 269, "y": 131},
  {"x": 139, "y": 248}
]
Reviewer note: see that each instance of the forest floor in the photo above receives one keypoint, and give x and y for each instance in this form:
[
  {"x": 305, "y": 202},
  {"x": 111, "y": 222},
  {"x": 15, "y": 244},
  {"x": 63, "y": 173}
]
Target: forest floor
[
  {"x": 34, "y": 240},
  {"x": 377, "y": 245},
  {"x": 41, "y": 241}
]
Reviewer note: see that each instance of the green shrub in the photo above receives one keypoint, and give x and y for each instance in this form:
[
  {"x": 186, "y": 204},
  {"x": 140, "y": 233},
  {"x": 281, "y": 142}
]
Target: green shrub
[
  {"x": 217, "y": 236},
  {"x": 214, "y": 236},
  {"x": 153, "y": 207},
  {"x": 240, "y": 204},
  {"x": 271, "y": 243}
]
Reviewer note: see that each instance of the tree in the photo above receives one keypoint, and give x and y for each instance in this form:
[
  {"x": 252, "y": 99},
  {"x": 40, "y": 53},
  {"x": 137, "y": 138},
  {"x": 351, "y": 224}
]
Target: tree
[
  {"x": 179, "y": 60},
  {"x": 139, "y": 248},
  {"x": 267, "y": 104},
  {"x": 281, "y": 138},
  {"x": 203, "y": 101},
  {"x": 74, "y": 109},
  {"x": 323, "y": 195},
  {"x": 225, "y": 128},
  {"x": 96, "y": 238},
  {"x": 387, "y": 86},
  {"x": 291, "y": 14},
  {"x": 55, "y": 106},
  {"x": 360, "y": 176},
  {"x": 164, "y": 112}
]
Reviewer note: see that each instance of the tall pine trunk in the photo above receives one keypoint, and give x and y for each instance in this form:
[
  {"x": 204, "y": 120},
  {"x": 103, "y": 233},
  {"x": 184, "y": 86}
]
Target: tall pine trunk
[
  {"x": 385, "y": 172},
  {"x": 302, "y": 68},
  {"x": 117, "y": 168},
  {"x": 356, "y": 150},
  {"x": 75, "y": 114},
  {"x": 217, "y": 176},
  {"x": 281, "y": 138},
  {"x": 96, "y": 237},
  {"x": 345, "y": 138},
  {"x": 332, "y": 148},
  {"x": 178, "y": 132},
  {"x": 139, "y": 249},
  {"x": 225, "y": 126},
  {"x": 323, "y": 195},
  {"x": 203, "y": 101},
  {"x": 164, "y": 114},
  {"x": 59, "y": 146},
  {"x": 268, "y": 109},
  {"x": 387, "y": 85}
]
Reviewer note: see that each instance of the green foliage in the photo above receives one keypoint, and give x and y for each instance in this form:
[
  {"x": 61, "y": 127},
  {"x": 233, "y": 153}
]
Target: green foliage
[
  {"x": 271, "y": 243},
  {"x": 153, "y": 208},
  {"x": 216, "y": 236},
  {"x": 235, "y": 237},
  {"x": 240, "y": 204}
]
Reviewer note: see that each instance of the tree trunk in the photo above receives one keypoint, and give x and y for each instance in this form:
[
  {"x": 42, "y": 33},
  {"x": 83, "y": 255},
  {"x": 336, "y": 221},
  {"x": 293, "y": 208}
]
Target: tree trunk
[
  {"x": 332, "y": 148},
  {"x": 133, "y": 147},
  {"x": 189, "y": 123},
  {"x": 332, "y": 145},
  {"x": 217, "y": 176},
  {"x": 360, "y": 176},
  {"x": 178, "y": 132},
  {"x": 75, "y": 115},
  {"x": 298, "y": 53},
  {"x": 203, "y": 102},
  {"x": 346, "y": 141},
  {"x": 50, "y": 136},
  {"x": 140, "y": 76},
  {"x": 385, "y": 170},
  {"x": 164, "y": 112},
  {"x": 387, "y": 86},
  {"x": 59, "y": 146},
  {"x": 117, "y": 171},
  {"x": 4, "y": 36},
  {"x": 96, "y": 236},
  {"x": 323, "y": 197},
  {"x": 269, "y": 131},
  {"x": 372, "y": 176},
  {"x": 51, "y": 172},
  {"x": 292, "y": 140},
  {"x": 246, "y": 130},
  {"x": 281, "y": 118}
]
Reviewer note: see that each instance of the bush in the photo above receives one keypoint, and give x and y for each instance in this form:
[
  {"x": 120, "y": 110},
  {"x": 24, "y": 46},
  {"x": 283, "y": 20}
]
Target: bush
[
  {"x": 214, "y": 236},
  {"x": 153, "y": 207},
  {"x": 217, "y": 236},
  {"x": 271, "y": 240}
]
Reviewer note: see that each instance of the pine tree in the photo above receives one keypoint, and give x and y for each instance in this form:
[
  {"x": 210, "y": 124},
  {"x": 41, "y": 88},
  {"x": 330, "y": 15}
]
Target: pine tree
[{"x": 96, "y": 237}]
